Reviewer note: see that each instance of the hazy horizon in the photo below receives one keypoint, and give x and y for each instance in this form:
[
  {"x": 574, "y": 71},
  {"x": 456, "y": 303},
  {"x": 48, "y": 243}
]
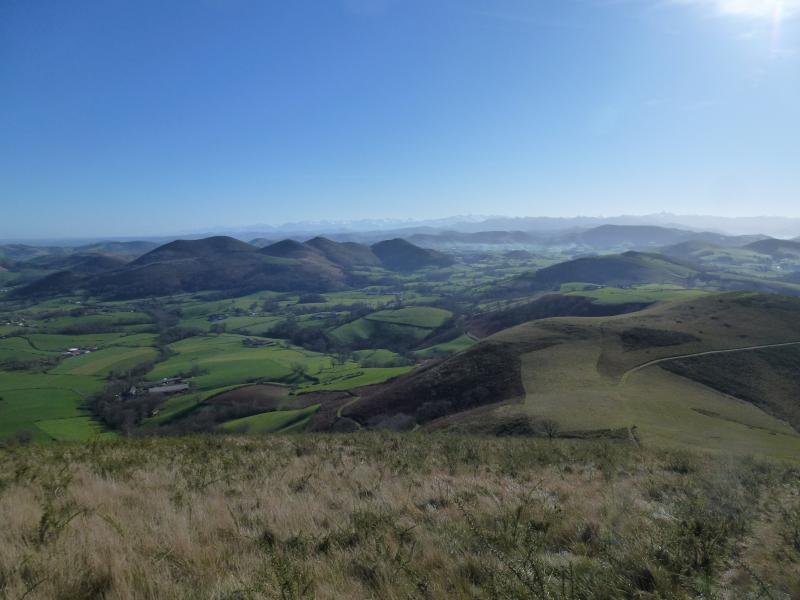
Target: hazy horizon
[
  {"x": 773, "y": 225},
  {"x": 136, "y": 118}
]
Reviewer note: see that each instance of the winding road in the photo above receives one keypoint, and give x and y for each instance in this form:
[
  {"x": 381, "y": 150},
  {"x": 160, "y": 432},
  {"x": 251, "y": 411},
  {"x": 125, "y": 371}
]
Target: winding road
[{"x": 696, "y": 354}]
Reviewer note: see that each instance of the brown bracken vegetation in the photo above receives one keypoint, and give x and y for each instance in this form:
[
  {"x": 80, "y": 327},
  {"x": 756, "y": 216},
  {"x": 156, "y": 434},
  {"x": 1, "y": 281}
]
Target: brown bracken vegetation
[{"x": 375, "y": 515}]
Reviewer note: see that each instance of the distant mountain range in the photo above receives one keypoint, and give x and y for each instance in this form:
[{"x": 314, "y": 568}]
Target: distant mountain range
[
  {"x": 639, "y": 237},
  {"x": 766, "y": 225},
  {"x": 380, "y": 229}
]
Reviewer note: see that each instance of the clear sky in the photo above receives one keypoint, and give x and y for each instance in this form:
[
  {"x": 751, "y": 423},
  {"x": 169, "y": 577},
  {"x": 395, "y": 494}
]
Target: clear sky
[{"x": 157, "y": 116}]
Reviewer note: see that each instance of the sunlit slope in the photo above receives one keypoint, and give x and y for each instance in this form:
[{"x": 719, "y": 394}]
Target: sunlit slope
[{"x": 599, "y": 377}]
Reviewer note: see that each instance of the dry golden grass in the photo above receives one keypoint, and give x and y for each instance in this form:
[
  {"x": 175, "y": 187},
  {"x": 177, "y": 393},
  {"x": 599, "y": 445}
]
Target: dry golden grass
[{"x": 391, "y": 516}]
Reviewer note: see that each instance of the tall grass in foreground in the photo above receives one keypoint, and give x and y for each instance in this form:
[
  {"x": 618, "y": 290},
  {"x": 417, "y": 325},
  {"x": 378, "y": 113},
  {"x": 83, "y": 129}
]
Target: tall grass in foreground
[{"x": 392, "y": 516}]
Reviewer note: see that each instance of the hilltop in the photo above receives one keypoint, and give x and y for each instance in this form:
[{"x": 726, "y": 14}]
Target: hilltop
[
  {"x": 345, "y": 254},
  {"x": 401, "y": 255},
  {"x": 193, "y": 249}
]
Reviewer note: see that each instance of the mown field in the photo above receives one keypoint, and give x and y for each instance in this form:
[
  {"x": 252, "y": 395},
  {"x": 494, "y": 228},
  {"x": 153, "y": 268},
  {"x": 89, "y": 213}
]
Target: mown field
[{"x": 393, "y": 516}]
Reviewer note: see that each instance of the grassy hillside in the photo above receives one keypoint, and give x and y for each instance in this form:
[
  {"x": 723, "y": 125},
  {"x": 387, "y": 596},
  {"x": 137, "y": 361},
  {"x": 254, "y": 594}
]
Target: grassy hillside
[
  {"x": 404, "y": 326},
  {"x": 630, "y": 268},
  {"x": 387, "y": 516},
  {"x": 593, "y": 376},
  {"x": 271, "y": 422},
  {"x": 768, "y": 378}
]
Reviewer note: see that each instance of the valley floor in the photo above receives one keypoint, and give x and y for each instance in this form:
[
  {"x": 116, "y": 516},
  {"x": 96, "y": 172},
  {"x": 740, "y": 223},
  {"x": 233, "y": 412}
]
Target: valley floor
[{"x": 393, "y": 516}]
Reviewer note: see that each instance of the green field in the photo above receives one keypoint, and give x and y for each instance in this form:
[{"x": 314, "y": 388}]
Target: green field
[
  {"x": 349, "y": 377},
  {"x": 641, "y": 293},
  {"x": 458, "y": 344},
  {"x": 379, "y": 358},
  {"x": 227, "y": 361},
  {"x": 32, "y": 402},
  {"x": 376, "y": 331},
  {"x": 74, "y": 429},
  {"x": 102, "y": 320},
  {"x": 18, "y": 348},
  {"x": 425, "y": 317},
  {"x": 177, "y": 406},
  {"x": 59, "y": 343},
  {"x": 102, "y": 362},
  {"x": 271, "y": 422}
]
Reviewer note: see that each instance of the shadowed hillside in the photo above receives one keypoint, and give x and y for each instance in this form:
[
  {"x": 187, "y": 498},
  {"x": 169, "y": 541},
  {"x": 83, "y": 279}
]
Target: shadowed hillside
[
  {"x": 400, "y": 255},
  {"x": 345, "y": 254}
]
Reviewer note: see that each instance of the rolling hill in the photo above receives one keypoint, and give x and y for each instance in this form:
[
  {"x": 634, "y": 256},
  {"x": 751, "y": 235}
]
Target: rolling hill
[
  {"x": 394, "y": 255},
  {"x": 401, "y": 255},
  {"x": 194, "y": 249},
  {"x": 124, "y": 250},
  {"x": 776, "y": 248},
  {"x": 634, "y": 375},
  {"x": 217, "y": 263},
  {"x": 225, "y": 263},
  {"x": 626, "y": 269},
  {"x": 345, "y": 254},
  {"x": 710, "y": 255},
  {"x": 23, "y": 252},
  {"x": 81, "y": 263},
  {"x": 293, "y": 249}
]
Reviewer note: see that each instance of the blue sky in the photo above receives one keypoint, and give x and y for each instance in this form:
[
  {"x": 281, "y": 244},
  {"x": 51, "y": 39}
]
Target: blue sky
[{"x": 126, "y": 117}]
